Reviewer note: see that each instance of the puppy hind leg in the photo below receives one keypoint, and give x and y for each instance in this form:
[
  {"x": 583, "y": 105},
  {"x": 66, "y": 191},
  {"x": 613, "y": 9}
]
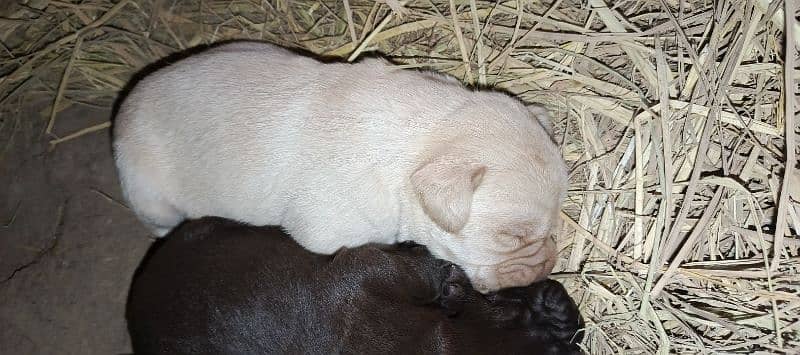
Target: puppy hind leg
[
  {"x": 157, "y": 215},
  {"x": 143, "y": 183},
  {"x": 454, "y": 288},
  {"x": 164, "y": 221},
  {"x": 159, "y": 231}
]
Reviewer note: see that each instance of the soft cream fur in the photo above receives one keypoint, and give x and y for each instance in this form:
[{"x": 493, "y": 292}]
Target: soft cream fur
[{"x": 345, "y": 154}]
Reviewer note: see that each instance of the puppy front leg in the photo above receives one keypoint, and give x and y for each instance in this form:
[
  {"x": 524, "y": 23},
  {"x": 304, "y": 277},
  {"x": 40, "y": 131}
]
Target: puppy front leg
[
  {"x": 432, "y": 281},
  {"x": 453, "y": 290}
]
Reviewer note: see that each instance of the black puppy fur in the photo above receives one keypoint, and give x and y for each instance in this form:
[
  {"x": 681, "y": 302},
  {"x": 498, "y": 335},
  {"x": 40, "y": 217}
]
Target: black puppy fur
[{"x": 217, "y": 287}]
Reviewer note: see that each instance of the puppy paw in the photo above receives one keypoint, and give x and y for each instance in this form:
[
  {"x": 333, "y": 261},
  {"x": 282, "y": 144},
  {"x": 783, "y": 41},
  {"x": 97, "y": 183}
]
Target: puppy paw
[
  {"x": 553, "y": 310},
  {"x": 453, "y": 290}
]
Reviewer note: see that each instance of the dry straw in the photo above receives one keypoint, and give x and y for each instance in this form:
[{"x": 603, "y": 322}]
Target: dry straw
[{"x": 681, "y": 223}]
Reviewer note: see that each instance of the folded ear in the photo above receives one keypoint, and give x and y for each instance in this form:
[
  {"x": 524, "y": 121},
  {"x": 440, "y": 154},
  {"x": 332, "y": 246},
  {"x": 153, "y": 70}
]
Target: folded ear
[
  {"x": 543, "y": 116},
  {"x": 445, "y": 187}
]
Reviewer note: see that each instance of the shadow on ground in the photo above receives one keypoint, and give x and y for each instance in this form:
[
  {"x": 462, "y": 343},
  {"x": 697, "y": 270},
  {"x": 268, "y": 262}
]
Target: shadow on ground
[{"x": 67, "y": 249}]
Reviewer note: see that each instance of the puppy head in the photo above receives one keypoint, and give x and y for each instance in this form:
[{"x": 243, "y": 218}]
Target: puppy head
[{"x": 494, "y": 200}]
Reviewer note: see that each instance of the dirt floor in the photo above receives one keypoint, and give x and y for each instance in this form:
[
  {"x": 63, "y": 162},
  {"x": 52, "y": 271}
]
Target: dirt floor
[{"x": 68, "y": 249}]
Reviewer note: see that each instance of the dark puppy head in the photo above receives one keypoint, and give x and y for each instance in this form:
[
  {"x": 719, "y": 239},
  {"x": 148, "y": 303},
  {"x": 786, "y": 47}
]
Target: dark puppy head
[
  {"x": 545, "y": 308},
  {"x": 541, "y": 317},
  {"x": 214, "y": 286}
]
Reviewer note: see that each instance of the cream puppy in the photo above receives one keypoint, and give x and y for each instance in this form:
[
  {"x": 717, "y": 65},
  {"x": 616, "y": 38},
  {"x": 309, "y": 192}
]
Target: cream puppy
[{"x": 342, "y": 155}]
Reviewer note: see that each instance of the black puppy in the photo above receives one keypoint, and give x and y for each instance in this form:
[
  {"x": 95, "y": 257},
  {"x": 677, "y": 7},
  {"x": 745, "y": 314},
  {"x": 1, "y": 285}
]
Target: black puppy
[{"x": 217, "y": 287}]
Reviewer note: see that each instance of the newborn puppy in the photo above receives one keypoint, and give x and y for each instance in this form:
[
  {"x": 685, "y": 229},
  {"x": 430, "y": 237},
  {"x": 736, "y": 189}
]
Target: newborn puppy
[
  {"x": 343, "y": 155},
  {"x": 217, "y": 287}
]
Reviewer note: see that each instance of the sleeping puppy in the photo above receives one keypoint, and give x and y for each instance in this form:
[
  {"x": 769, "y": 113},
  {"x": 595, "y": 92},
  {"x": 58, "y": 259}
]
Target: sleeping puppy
[
  {"x": 343, "y": 155},
  {"x": 217, "y": 287}
]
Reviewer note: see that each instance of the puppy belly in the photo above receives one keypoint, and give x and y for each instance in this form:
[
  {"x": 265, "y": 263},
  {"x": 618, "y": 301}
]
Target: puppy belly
[
  {"x": 334, "y": 238},
  {"x": 326, "y": 228},
  {"x": 258, "y": 209}
]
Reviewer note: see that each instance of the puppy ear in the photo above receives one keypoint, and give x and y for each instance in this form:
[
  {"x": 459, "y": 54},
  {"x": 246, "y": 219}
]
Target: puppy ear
[
  {"x": 543, "y": 116},
  {"x": 445, "y": 187}
]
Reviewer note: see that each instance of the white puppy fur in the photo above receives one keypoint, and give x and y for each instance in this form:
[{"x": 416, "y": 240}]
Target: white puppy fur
[{"x": 345, "y": 154}]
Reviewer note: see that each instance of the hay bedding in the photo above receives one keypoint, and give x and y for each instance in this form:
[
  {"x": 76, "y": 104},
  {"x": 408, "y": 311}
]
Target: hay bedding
[{"x": 682, "y": 219}]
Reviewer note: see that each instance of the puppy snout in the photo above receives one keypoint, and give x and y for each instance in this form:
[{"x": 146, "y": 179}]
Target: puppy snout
[
  {"x": 527, "y": 265},
  {"x": 530, "y": 268}
]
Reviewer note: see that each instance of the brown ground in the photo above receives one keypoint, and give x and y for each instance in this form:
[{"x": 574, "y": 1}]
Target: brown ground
[{"x": 67, "y": 252}]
